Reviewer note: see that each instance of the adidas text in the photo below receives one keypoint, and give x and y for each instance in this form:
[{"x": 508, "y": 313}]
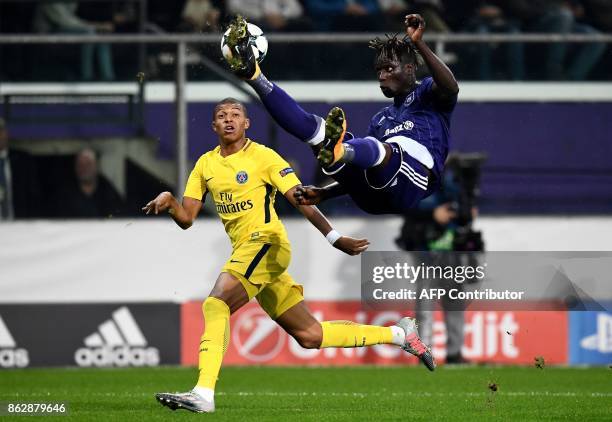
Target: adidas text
[
  {"x": 117, "y": 356},
  {"x": 117, "y": 342}
]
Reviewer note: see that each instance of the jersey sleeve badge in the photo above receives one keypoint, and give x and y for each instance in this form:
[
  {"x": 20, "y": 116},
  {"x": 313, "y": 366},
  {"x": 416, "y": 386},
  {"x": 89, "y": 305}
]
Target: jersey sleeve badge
[{"x": 286, "y": 171}]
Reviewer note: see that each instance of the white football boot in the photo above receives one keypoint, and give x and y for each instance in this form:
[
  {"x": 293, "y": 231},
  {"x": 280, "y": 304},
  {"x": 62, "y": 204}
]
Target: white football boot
[
  {"x": 189, "y": 401},
  {"x": 413, "y": 343}
]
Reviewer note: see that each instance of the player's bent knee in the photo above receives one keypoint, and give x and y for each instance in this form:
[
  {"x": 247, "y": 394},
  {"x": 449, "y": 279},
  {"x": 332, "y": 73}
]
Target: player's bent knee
[{"x": 212, "y": 304}]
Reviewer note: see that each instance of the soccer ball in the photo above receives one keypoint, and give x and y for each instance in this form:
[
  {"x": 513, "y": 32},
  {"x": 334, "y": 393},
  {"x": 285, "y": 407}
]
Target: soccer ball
[{"x": 257, "y": 41}]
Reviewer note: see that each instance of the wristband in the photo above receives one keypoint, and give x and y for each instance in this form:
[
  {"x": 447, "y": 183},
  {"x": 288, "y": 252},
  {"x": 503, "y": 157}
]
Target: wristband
[{"x": 332, "y": 236}]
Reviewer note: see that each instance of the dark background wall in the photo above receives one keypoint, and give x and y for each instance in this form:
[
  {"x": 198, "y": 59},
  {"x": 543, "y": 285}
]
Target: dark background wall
[{"x": 542, "y": 157}]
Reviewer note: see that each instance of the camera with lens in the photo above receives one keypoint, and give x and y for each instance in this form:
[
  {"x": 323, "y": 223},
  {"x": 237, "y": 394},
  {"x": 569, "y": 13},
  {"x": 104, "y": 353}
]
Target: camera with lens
[
  {"x": 466, "y": 170},
  {"x": 421, "y": 232}
]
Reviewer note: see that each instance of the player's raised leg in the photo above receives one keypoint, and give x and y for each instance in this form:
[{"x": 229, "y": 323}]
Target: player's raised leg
[
  {"x": 299, "y": 322},
  {"x": 285, "y": 110},
  {"x": 325, "y": 136},
  {"x": 227, "y": 296}
]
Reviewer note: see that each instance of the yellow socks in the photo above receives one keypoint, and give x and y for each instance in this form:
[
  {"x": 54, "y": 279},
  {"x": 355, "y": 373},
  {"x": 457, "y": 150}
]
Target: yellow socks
[
  {"x": 350, "y": 334},
  {"x": 214, "y": 341},
  {"x": 335, "y": 334}
]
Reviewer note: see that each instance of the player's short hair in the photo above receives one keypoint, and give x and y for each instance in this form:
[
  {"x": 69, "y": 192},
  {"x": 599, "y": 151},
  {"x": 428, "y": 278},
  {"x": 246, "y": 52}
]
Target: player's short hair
[
  {"x": 230, "y": 100},
  {"x": 395, "y": 48}
]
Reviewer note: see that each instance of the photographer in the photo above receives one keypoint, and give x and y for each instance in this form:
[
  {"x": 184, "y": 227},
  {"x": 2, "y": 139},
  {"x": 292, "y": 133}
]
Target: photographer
[{"x": 439, "y": 232}]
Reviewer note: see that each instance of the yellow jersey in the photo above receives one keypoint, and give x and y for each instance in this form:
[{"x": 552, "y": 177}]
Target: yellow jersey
[{"x": 243, "y": 186}]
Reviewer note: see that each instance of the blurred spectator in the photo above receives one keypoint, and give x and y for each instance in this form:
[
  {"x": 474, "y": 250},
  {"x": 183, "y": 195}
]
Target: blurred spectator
[
  {"x": 92, "y": 195},
  {"x": 599, "y": 13},
  {"x": 60, "y": 17},
  {"x": 19, "y": 186},
  {"x": 345, "y": 15},
  {"x": 125, "y": 17},
  {"x": 490, "y": 18},
  {"x": 561, "y": 17},
  {"x": 459, "y": 14},
  {"x": 199, "y": 16},
  {"x": 166, "y": 15},
  {"x": 433, "y": 13},
  {"x": 122, "y": 15},
  {"x": 272, "y": 15},
  {"x": 394, "y": 12}
]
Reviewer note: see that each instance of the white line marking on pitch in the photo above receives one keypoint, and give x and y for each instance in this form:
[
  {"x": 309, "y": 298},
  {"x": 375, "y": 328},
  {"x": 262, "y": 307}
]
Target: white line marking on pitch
[{"x": 341, "y": 394}]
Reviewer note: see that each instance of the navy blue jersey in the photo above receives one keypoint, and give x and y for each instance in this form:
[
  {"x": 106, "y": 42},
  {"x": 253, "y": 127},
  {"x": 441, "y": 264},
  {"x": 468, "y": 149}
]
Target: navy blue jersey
[
  {"x": 419, "y": 117},
  {"x": 417, "y": 128}
]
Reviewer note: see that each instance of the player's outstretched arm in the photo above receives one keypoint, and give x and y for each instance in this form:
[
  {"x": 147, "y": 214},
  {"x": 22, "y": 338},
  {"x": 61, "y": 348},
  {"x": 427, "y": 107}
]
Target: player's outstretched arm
[
  {"x": 313, "y": 195},
  {"x": 445, "y": 85},
  {"x": 182, "y": 214},
  {"x": 346, "y": 244}
]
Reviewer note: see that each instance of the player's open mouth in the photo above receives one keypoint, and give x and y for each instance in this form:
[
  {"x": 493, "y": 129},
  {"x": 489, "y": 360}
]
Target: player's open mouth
[
  {"x": 385, "y": 89},
  {"x": 228, "y": 129}
]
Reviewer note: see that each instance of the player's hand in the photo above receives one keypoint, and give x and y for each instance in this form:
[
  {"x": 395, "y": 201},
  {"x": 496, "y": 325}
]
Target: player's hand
[
  {"x": 351, "y": 246},
  {"x": 161, "y": 203},
  {"x": 415, "y": 26},
  {"x": 308, "y": 195},
  {"x": 443, "y": 214}
]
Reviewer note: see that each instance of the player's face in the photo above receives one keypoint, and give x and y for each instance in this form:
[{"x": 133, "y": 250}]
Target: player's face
[
  {"x": 395, "y": 78},
  {"x": 230, "y": 122}
]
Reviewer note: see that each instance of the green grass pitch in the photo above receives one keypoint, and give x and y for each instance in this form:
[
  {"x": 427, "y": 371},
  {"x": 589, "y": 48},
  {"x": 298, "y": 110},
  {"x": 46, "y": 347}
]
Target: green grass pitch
[{"x": 324, "y": 394}]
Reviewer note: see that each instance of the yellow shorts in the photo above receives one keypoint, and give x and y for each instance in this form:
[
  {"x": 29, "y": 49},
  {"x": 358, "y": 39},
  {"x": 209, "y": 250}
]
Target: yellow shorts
[{"x": 262, "y": 270}]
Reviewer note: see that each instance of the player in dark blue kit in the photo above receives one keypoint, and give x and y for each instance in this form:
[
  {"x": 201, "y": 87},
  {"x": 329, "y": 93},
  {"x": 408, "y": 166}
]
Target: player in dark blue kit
[{"x": 401, "y": 159}]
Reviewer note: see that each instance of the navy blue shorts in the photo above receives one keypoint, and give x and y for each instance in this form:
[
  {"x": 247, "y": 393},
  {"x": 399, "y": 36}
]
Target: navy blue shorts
[{"x": 392, "y": 189}]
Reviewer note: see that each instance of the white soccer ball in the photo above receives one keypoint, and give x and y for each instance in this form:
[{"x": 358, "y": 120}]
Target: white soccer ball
[{"x": 257, "y": 41}]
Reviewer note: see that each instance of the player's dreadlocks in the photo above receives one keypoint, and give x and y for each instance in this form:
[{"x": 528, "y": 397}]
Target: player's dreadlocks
[{"x": 394, "y": 48}]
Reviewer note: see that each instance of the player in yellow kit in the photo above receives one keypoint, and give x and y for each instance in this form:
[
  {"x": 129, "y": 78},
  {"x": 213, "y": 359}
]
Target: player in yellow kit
[{"x": 243, "y": 177}]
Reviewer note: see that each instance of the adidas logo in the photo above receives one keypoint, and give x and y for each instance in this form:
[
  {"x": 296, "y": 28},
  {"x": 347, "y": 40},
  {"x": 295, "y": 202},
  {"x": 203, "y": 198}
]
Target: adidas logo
[
  {"x": 118, "y": 342},
  {"x": 602, "y": 339},
  {"x": 10, "y": 355}
]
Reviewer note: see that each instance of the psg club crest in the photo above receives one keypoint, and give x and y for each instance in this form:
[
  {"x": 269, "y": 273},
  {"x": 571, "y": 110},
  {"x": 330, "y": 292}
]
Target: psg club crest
[{"x": 242, "y": 177}]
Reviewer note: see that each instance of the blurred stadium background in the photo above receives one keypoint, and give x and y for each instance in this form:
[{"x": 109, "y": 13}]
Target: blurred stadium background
[{"x": 78, "y": 279}]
